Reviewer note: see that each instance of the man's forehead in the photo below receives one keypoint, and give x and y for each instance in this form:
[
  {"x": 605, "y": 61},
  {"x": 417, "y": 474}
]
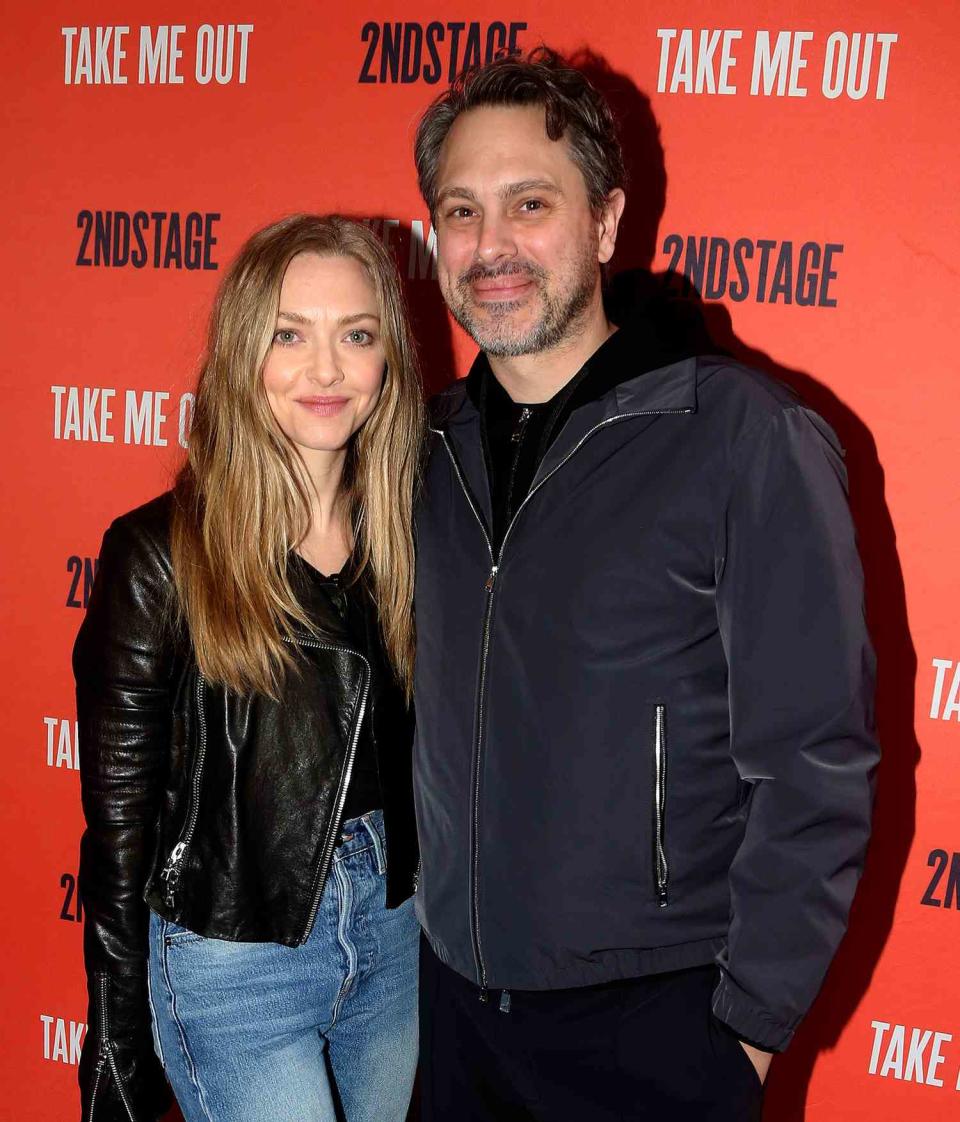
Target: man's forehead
[{"x": 502, "y": 144}]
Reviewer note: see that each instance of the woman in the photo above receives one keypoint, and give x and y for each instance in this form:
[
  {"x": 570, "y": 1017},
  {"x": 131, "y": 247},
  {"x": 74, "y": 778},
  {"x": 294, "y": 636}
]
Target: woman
[{"x": 242, "y": 678}]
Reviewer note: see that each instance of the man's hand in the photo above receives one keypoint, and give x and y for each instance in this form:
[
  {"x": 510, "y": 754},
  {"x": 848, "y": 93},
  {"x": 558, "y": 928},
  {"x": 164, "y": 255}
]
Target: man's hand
[{"x": 759, "y": 1059}]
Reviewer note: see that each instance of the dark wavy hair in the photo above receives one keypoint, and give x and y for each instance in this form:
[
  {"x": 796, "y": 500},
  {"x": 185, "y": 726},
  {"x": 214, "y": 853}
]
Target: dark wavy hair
[{"x": 574, "y": 109}]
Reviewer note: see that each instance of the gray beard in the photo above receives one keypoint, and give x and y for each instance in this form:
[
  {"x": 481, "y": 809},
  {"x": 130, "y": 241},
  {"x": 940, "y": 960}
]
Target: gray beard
[{"x": 559, "y": 317}]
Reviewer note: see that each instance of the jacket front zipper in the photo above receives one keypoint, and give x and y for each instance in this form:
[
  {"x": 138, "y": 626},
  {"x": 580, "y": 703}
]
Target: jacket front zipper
[
  {"x": 490, "y": 588},
  {"x": 174, "y": 866},
  {"x": 478, "y": 742},
  {"x": 323, "y": 867},
  {"x": 660, "y": 869}
]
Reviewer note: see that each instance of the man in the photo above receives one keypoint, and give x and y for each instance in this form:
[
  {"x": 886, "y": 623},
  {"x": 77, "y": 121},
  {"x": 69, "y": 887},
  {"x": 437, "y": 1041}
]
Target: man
[{"x": 644, "y": 743}]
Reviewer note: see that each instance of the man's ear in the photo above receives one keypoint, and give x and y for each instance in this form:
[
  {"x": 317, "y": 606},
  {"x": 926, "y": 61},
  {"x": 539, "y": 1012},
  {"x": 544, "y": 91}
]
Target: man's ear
[{"x": 608, "y": 223}]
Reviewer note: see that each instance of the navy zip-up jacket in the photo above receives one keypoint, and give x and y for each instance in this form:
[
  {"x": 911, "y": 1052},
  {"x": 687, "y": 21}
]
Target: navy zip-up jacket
[{"x": 645, "y": 721}]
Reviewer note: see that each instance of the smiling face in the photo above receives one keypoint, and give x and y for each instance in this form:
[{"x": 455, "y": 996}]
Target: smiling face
[
  {"x": 519, "y": 247},
  {"x": 324, "y": 370}
]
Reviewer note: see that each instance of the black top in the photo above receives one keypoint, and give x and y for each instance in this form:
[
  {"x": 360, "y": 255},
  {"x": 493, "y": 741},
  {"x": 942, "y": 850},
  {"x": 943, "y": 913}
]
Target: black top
[{"x": 352, "y": 604}]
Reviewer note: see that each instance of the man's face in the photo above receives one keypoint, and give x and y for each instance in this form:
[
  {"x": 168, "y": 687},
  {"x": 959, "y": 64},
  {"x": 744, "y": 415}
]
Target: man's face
[{"x": 519, "y": 247}]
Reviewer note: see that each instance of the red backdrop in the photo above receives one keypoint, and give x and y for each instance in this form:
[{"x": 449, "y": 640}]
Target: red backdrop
[{"x": 798, "y": 163}]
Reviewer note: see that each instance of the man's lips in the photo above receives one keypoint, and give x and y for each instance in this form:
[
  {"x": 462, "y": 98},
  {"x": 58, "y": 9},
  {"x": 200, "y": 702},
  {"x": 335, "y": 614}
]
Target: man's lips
[
  {"x": 510, "y": 287},
  {"x": 323, "y": 406}
]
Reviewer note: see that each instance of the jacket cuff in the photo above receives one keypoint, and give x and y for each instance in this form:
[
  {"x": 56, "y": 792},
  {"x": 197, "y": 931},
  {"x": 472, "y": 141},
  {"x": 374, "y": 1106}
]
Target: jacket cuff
[{"x": 750, "y": 1021}]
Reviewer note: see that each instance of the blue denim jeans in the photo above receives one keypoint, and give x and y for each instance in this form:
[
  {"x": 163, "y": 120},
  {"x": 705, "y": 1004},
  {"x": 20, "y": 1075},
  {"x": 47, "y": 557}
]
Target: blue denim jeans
[{"x": 258, "y": 1032}]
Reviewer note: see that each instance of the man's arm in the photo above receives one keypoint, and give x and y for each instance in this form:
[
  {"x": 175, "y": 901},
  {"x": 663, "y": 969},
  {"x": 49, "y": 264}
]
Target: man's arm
[{"x": 801, "y": 677}]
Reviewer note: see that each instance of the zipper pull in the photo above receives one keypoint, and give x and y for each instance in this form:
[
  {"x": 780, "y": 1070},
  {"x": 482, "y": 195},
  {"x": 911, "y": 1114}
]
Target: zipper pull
[
  {"x": 171, "y": 872},
  {"x": 175, "y": 854},
  {"x": 484, "y": 996},
  {"x": 491, "y": 579},
  {"x": 504, "y": 1001},
  {"x": 525, "y": 415}
]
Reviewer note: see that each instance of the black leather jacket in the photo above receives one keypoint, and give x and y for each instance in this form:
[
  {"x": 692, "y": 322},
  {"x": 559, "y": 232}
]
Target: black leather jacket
[{"x": 218, "y": 811}]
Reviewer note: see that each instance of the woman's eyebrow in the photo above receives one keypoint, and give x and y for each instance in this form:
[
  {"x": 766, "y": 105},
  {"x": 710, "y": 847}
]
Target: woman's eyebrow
[{"x": 355, "y": 317}]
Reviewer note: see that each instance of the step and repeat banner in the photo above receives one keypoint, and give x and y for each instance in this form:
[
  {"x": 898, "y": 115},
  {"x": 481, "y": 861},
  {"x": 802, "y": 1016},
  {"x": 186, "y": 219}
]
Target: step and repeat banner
[{"x": 795, "y": 164}]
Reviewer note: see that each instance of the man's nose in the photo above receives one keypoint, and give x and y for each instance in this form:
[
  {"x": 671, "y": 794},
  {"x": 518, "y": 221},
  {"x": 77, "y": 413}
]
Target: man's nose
[{"x": 495, "y": 241}]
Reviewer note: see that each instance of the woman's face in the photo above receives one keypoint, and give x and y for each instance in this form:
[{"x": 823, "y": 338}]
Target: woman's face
[{"x": 324, "y": 369}]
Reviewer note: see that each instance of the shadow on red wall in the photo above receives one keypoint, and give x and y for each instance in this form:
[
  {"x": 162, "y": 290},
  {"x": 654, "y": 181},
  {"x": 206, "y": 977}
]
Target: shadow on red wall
[{"x": 708, "y": 328}]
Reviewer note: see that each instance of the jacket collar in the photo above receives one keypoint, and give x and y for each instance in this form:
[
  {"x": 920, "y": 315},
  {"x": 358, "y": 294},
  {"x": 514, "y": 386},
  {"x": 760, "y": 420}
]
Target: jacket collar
[
  {"x": 666, "y": 389},
  {"x": 651, "y": 393},
  {"x": 455, "y": 417},
  {"x": 643, "y": 369}
]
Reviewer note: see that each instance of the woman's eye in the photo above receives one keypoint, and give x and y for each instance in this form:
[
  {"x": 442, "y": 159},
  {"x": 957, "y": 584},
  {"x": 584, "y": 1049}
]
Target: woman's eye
[
  {"x": 284, "y": 336},
  {"x": 360, "y": 338}
]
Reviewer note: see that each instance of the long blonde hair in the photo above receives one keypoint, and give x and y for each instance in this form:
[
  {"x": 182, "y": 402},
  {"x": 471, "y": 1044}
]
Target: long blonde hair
[{"x": 242, "y": 499}]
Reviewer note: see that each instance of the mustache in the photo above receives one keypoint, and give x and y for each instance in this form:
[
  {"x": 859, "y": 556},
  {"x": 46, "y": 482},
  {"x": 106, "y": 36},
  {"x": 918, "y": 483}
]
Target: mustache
[{"x": 508, "y": 269}]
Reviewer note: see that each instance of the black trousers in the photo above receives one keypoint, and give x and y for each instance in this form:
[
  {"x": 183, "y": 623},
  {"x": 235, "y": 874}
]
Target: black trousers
[{"x": 641, "y": 1049}]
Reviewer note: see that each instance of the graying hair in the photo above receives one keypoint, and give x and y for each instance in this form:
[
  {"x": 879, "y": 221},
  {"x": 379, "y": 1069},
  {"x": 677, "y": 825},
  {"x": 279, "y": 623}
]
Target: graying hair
[{"x": 573, "y": 107}]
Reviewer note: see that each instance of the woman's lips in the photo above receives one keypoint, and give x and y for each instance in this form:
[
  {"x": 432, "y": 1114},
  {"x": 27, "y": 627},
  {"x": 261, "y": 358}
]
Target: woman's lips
[{"x": 323, "y": 406}]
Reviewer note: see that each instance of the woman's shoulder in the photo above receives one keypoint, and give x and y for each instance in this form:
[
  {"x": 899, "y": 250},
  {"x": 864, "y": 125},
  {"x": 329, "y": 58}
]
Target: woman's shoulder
[
  {"x": 131, "y": 593},
  {"x": 145, "y": 530}
]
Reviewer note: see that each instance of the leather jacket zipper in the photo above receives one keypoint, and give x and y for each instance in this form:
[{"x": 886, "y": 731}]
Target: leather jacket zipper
[
  {"x": 323, "y": 868},
  {"x": 97, "y": 1076},
  {"x": 174, "y": 866},
  {"x": 172, "y": 869},
  {"x": 660, "y": 868},
  {"x": 106, "y": 1057},
  {"x": 490, "y": 587}
]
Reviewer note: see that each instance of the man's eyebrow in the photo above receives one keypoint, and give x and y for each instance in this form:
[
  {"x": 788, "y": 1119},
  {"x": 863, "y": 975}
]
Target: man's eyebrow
[
  {"x": 456, "y": 192},
  {"x": 511, "y": 190},
  {"x": 507, "y": 191}
]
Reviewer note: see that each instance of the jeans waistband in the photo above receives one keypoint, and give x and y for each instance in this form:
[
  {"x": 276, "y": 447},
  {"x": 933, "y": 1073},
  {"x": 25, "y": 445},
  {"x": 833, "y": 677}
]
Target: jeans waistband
[{"x": 365, "y": 832}]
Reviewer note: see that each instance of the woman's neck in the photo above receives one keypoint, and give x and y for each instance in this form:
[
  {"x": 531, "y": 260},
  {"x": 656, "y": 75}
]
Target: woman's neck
[{"x": 328, "y": 542}]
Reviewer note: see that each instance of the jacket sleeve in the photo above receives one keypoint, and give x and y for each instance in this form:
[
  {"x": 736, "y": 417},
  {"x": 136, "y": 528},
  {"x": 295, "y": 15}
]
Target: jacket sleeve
[
  {"x": 122, "y": 666},
  {"x": 800, "y": 680}
]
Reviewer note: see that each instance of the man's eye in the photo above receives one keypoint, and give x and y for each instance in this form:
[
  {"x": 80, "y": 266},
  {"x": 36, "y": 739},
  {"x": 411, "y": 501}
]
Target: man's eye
[
  {"x": 284, "y": 336},
  {"x": 461, "y": 212},
  {"x": 531, "y": 206}
]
